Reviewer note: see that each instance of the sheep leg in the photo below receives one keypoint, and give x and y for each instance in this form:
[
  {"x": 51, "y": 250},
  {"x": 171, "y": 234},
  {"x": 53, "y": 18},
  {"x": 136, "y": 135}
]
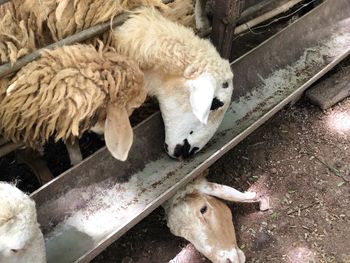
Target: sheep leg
[
  {"x": 74, "y": 152},
  {"x": 34, "y": 161}
]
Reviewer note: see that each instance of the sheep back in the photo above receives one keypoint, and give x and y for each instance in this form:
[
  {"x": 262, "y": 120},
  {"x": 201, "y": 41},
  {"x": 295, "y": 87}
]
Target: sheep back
[
  {"x": 64, "y": 91},
  {"x": 15, "y": 39}
]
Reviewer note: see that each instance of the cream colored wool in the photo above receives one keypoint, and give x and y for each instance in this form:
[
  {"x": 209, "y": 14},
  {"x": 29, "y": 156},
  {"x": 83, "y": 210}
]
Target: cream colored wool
[
  {"x": 15, "y": 39},
  {"x": 31, "y": 13},
  {"x": 65, "y": 92},
  {"x": 182, "y": 12},
  {"x": 34, "y": 23},
  {"x": 166, "y": 47},
  {"x": 66, "y": 17}
]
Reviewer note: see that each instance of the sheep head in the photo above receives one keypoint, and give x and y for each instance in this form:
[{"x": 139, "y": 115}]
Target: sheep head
[
  {"x": 186, "y": 74},
  {"x": 196, "y": 215},
  {"x": 192, "y": 108},
  {"x": 20, "y": 237}
]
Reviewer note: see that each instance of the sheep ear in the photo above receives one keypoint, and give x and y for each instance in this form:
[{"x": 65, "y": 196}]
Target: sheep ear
[
  {"x": 226, "y": 192},
  {"x": 201, "y": 96},
  {"x": 118, "y": 132}
]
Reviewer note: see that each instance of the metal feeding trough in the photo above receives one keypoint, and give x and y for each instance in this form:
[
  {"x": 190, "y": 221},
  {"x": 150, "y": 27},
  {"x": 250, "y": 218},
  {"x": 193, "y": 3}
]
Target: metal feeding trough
[{"x": 91, "y": 205}]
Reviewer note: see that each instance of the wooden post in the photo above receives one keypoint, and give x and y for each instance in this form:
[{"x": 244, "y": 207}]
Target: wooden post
[{"x": 225, "y": 15}]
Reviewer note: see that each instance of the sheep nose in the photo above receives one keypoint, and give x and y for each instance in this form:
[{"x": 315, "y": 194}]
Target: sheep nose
[
  {"x": 228, "y": 260},
  {"x": 182, "y": 150}
]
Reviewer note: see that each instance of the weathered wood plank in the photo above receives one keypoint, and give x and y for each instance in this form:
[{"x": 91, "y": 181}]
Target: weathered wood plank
[
  {"x": 225, "y": 15},
  {"x": 331, "y": 90}
]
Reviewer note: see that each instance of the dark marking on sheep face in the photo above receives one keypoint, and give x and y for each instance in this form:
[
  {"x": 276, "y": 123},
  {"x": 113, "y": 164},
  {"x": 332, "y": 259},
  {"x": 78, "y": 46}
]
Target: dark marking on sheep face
[
  {"x": 184, "y": 150},
  {"x": 225, "y": 85},
  {"x": 216, "y": 104}
]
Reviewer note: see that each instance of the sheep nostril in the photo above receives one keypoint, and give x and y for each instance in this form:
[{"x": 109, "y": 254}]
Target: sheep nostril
[
  {"x": 166, "y": 147},
  {"x": 186, "y": 149},
  {"x": 228, "y": 260},
  {"x": 178, "y": 150}
]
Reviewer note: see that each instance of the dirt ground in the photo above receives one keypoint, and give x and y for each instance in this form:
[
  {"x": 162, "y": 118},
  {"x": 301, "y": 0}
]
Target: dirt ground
[{"x": 301, "y": 160}]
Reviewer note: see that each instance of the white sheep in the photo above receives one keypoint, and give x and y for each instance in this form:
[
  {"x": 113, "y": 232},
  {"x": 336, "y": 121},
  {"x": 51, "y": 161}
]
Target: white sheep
[
  {"x": 195, "y": 214},
  {"x": 21, "y": 240},
  {"x": 192, "y": 83},
  {"x": 68, "y": 91}
]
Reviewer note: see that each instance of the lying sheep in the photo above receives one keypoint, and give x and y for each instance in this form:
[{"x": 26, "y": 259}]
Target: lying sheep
[
  {"x": 195, "y": 214},
  {"x": 192, "y": 83},
  {"x": 68, "y": 91},
  {"x": 21, "y": 240}
]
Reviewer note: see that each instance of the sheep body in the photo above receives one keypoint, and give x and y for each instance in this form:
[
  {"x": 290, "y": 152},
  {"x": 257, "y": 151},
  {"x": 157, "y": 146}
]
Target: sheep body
[
  {"x": 15, "y": 39},
  {"x": 64, "y": 17},
  {"x": 21, "y": 240},
  {"x": 26, "y": 25},
  {"x": 66, "y": 92}
]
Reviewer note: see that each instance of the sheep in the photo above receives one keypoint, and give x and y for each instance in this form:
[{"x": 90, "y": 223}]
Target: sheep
[
  {"x": 63, "y": 18},
  {"x": 68, "y": 91},
  {"x": 192, "y": 83},
  {"x": 186, "y": 74},
  {"x": 21, "y": 240},
  {"x": 53, "y": 20},
  {"x": 195, "y": 214},
  {"x": 15, "y": 39}
]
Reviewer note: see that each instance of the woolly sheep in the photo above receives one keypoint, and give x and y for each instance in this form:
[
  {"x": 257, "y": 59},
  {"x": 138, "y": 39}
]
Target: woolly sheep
[
  {"x": 15, "y": 39},
  {"x": 195, "y": 214},
  {"x": 192, "y": 83},
  {"x": 21, "y": 240},
  {"x": 68, "y": 91},
  {"x": 63, "y": 18},
  {"x": 52, "y": 20},
  {"x": 184, "y": 72}
]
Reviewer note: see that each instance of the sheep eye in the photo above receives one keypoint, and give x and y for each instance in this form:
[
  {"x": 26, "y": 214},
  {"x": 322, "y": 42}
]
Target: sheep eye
[
  {"x": 204, "y": 209},
  {"x": 216, "y": 104},
  {"x": 225, "y": 85},
  {"x": 191, "y": 132},
  {"x": 14, "y": 250}
]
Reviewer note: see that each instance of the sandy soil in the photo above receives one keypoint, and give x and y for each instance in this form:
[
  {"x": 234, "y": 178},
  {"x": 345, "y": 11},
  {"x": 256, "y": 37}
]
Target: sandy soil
[{"x": 301, "y": 160}]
